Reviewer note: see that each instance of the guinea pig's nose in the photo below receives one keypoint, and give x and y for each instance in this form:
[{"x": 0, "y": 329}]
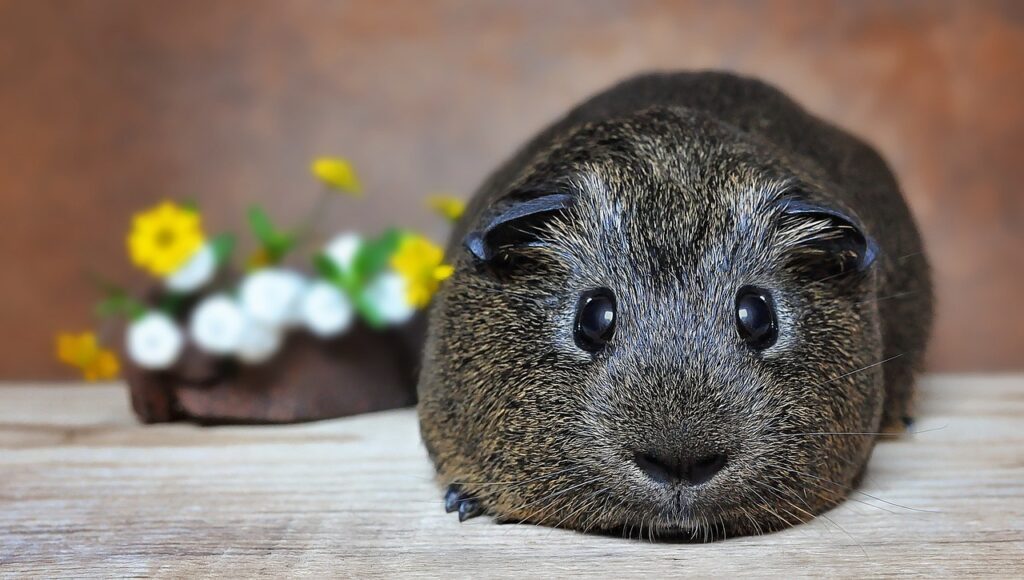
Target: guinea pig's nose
[{"x": 666, "y": 466}]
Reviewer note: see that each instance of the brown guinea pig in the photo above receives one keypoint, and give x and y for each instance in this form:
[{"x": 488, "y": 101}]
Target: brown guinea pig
[{"x": 687, "y": 308}]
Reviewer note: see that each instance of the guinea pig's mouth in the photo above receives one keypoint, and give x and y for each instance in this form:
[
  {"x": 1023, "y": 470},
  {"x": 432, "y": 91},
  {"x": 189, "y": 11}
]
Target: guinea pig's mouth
[
  {"x": 686, "y": 524},
  {"x": 704, "y": 497},
  {"x": 734, "y": 504},
  {"x": 682, "y": 492},
  {"x": 668, "y": 511},
  {"x": 674, "y": 528},
  {"x": 658, "y": 532}
]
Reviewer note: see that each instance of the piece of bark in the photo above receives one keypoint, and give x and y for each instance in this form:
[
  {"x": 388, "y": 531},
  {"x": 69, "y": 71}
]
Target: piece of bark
[{"x": 308, "y": 379}]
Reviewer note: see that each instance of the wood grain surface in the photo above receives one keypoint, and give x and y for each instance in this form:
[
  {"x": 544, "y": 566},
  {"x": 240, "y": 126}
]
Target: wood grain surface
[
  {"x": 107, "y": 106},
  {"x": 85, "y": 491}
]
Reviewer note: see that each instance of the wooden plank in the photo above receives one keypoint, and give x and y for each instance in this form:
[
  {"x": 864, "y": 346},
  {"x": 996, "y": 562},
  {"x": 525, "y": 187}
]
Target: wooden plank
[{"x": 85, "y": 491}]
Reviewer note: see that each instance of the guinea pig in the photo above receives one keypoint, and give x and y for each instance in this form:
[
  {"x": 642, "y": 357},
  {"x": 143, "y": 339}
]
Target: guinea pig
[{"x": 688, "y": 308}]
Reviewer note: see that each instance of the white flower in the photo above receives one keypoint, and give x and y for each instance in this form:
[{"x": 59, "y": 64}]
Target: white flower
[
  {"x": 326, "y": 311},
  {"x": 258, "y": 342},
  {"x": 154, "y": 341},
  {"x": 342, "y": 249},
  {"x": 217, "y": 325},
  {"x": 196, "y": 272},
  {"x": 386, "y": 295},
  {"x": 272, "y": 296}
]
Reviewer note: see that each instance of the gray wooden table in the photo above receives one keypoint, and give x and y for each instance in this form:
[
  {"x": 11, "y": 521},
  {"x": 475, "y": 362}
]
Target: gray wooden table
[{"x": 85, "y": 490}]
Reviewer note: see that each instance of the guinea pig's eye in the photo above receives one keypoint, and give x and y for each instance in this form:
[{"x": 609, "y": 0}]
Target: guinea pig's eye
[
  {"x": 755, "y": 317},
  {"x": 595, "y": 319}
]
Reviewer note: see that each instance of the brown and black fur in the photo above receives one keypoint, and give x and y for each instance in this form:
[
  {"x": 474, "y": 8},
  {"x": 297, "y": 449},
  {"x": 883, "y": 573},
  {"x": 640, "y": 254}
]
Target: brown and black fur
[{"x": 681, "y": 188}]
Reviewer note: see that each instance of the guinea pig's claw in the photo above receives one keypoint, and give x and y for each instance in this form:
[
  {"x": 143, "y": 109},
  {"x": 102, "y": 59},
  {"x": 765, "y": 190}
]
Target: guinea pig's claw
[
  {"x": 456, "y": 500},
  {"x": 469, "y": 508},
  {"x": 452, "y": 498}
]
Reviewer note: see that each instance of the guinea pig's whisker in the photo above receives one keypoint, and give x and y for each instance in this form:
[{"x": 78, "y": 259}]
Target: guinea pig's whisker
[
  {"x": 592, "y": 519},
  {"x": 725, "y": 528},
  {"x": 547, "y": 499},
  {"x": 583, "y": 505},
  {"x": 784, "y": 497},
  {"x": 521, "y": 482},
  {"x": 604, "y": 510},
  {"x": 632, "y": 523},
  {"x": 766, "y": 505},
  {"x": 614, "y": 512},
  {"x": 847, "y": 533},
  {"x": 754, "y": 524},
  {"x": 787, "y": 498},
  {"x": 794, "y": 493},
  {"x": 908, "y": 256},
  {"x": 857, "y": 491},
  {"x": 607, "y": 511},
  {"x": 552, "y": 513},
  {"x": 709, "y": 529},
  {"x": 715, "y": 526},
  {"x": 820, "y": 481},
  {"x": 860, "y": 370},
  {"x": 588, "y": 503},
  {"x": 929, "y": 430},
  {"x": 787, "y": 494},
  {"x": 875, "y": 433},
  {"x": 889, "y": 297},
  {"x": 821, "y": 487},
  {"x": 843, "y": 273},
  {"x": 640, "y": 532}
]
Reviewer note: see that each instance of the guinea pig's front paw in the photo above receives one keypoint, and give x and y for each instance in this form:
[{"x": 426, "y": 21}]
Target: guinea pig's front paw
[{"x": 457, "y": 500}]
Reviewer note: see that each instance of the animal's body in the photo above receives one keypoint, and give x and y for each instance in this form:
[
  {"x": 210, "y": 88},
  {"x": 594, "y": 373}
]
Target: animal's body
[{"x": 688, "y": 307}]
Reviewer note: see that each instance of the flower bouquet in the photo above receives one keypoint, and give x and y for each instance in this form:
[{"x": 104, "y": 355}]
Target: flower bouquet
[{"x": 216, "y": 342}]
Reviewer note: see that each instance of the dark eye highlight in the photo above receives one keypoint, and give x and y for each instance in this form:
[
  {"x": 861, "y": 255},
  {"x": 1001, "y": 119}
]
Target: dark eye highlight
[
  {"x": 755, "y": 317},
  {"x": 595, "y": 319}
]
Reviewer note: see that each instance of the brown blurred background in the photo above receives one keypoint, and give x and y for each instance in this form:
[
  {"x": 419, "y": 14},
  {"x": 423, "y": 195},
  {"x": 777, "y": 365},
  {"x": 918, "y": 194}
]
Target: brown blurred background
[{"x": 107, "y": 106}]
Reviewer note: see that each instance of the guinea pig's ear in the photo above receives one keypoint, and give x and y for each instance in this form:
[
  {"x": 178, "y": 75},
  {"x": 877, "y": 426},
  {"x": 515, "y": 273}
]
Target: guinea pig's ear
[
  {"x": 513, "y": 222},
  {"x": 824, "y": 240}
]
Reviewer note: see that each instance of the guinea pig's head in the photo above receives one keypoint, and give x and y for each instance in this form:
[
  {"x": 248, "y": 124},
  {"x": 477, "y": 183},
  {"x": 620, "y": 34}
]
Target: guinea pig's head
[{"x": 659, "y": 328}]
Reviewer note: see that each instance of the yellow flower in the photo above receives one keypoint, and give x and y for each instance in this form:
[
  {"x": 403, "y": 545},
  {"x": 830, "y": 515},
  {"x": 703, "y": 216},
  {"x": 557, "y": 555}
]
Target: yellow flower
[
  {"x": 83, "y": 352},
  {"x": 164, "y": 238},
  {"x": 418, "y": 261},
  {"x": 448, "y": 206},
  {"x": 337, "y": 173}
]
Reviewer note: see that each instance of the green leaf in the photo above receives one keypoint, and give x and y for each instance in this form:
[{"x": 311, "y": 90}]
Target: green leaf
[
  {"x": 369, "y": 313},
  {"x": 171, "y": 302},
  {"x": 261, "y": 226},
  {"x": 117, "y": 301},
  {"x": 374, "y": 255},
  {"x": 327, "y": 268},
  {"x": 370, "y": 260},
  {"x": 104, "y": 286},
  {"x": 109, "y": 307},
  {"x": 222, "y": 246},
  {"x": 120, "y": 304},
  {"x": 277, "y": 243}
]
